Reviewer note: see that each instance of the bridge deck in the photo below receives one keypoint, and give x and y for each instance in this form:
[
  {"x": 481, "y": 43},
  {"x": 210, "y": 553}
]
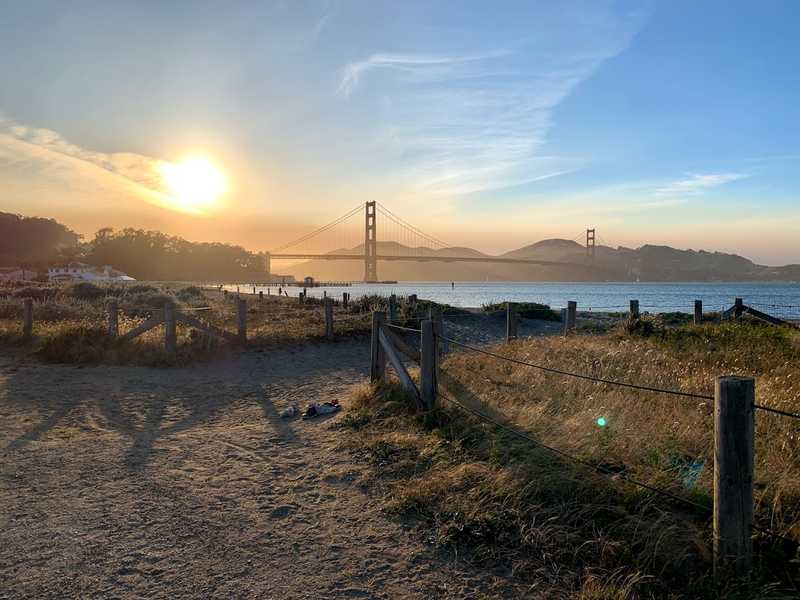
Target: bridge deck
[{"x": 471, "y": 259}]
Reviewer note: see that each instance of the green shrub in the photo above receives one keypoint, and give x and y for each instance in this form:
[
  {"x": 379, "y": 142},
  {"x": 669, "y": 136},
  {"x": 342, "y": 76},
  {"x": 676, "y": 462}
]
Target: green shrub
[
  {"x": 527, "y": 310},
  {"x": 85, "y": 290},
  {"x": 190, "y": 293}
]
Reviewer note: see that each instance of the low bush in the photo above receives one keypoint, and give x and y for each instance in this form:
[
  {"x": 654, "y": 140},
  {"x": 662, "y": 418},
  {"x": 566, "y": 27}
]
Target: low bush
[
  {"x": 85, "y": 290},
  {"x": 190, "y": 293},
  {"x": 527, "y": 310}
]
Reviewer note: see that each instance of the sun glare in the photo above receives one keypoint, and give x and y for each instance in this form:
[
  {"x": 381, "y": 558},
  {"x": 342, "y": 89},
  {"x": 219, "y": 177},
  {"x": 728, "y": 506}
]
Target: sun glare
[{"x": 193, "y": 183}]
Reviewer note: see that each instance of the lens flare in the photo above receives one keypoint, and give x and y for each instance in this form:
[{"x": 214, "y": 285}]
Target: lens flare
[{"x": 601, "y": 421}]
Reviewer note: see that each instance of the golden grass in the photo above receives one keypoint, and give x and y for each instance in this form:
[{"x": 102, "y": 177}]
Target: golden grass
[
  {"x": 70, "y": 323},
  {"x": 508, "y": 505}
]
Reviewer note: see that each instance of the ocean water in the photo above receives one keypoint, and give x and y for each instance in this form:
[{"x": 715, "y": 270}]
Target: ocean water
[{"x": 779, "y": 299}]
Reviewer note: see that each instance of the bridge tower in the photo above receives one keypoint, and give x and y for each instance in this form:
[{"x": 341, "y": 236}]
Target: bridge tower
[
  {"x": 590, "y": 243},
  {"x": 370, "y": 245},
  {"x": 268, "y": 266}
]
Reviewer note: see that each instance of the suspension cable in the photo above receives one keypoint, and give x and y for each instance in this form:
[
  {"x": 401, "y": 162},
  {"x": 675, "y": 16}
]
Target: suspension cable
[{"x": 318, "y": 231}]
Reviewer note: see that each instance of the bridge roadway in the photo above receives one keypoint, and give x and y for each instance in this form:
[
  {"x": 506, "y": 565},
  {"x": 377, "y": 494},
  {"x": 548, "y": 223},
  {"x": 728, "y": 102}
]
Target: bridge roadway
[{"x": 471, "y": 259}]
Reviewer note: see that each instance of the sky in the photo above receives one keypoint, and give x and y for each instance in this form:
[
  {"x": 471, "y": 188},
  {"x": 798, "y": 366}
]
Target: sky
[{"x": 486, "y": 124}]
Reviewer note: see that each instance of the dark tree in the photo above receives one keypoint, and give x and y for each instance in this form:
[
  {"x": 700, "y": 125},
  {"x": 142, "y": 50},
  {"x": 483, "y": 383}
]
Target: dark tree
[{"x": 34, "y": 242}]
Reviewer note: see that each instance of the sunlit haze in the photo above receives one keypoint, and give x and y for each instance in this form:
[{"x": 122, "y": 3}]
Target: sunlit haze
[
  {"x": 489, "y": 125},
  {"x": 193, "y": 184}
]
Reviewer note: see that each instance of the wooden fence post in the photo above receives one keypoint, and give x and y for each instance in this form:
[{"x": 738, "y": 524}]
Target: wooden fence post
[
  {"x": 698, "y": 312},
  {"x": 170, "y": 330},
  {"x": 113, "y": 319},
  {"x": 242, "y": 329},
  {"x": 328, "y": 318},
  {"x": 571, "y": 316},
  {"x": 427, "y": 364},
  {"x": 511, "y": 321},
  {"x": 392, "y": 307},
  {"x": 634, "y": 309},
  {"x": 27, "y": 318},
  {"x": 738, "y": 308},
  {"x": 377, "y": 362},
  {"x": 733, "y": 475},
  {"x": 345, "y": 299}
]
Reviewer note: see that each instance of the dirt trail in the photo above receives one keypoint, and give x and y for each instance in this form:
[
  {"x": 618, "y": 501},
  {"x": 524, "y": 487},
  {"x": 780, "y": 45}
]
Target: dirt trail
[{"x": 120, "y": 482}]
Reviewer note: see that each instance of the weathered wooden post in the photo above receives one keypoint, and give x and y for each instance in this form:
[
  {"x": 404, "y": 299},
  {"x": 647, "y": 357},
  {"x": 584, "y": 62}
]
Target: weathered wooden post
[
  {"x": 329, "y": 318},
  {"x": 392, "y": 308},
  {"x": 170, "y": 329},
  {"x": 242, "y": 321},
  {"x": 113, "y": 319},
  {"x": 441, "y": 345},
  {"x": 428, "y": 362},
  {"x": 345, "y": 299},
  {"x": 377, "y": 362},
  {"x": 27, "y": 318},
  {"x": 571, "y": 316},
  {"x": 738, "y": 309},
  {"x": 511, "y": 321},
  {"x": 698, "y": 312},
  {"x": 733, "y": 475},
  {"x": 633, "y": 312}
]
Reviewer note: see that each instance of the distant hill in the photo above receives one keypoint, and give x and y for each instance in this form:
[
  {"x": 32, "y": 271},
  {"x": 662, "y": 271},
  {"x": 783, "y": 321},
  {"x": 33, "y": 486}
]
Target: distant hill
[{"x": 647, "y": 263}]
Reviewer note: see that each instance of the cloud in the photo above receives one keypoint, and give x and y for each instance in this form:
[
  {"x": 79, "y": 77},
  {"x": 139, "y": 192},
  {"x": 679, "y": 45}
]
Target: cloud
[
  {"x": 451, "y": 120},
  {"x": 42, "y": 161},
  {"x": 410, "y": 63},
  {"x": 694, "y": 185}
]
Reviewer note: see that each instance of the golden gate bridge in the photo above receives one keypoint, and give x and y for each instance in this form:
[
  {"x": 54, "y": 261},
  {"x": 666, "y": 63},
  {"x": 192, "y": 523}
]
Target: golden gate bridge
[{"x": 401, "y": 241}]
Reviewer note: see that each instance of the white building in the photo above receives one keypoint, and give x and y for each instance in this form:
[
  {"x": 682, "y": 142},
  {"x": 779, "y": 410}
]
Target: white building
[{"x": 82, "y": 272}]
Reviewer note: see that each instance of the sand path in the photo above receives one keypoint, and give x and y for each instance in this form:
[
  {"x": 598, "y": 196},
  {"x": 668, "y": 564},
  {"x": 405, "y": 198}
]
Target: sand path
[{"x": 129, "y": 483}]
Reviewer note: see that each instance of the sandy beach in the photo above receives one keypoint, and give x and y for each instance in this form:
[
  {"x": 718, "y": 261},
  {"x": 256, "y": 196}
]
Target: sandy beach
[{"x": 129, "y": 482}]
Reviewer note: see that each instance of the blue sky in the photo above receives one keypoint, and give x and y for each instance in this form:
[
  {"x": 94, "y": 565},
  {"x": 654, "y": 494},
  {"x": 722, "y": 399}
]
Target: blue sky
[{"x": 488, "y": 124}]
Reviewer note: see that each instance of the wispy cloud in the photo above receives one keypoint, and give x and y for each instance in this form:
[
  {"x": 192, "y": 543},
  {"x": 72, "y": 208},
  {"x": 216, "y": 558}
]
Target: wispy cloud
[
  {"x": 697, "y": 184},
  {"x": 449, "y": 121},
  {"x": 410, "y": 63},
  {"x": 43, "y": 154}
]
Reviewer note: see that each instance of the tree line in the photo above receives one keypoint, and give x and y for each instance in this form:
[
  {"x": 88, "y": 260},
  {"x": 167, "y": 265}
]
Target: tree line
[{"x": 36, "y": 243}]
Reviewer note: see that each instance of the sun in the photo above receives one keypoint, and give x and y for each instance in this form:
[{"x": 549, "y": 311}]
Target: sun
[{"x": 193, "y": 183}]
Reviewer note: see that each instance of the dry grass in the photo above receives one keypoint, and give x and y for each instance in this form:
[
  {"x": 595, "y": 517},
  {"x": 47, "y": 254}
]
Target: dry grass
[
  {"x": 70, "y": 322},
  {"x": 508, "y": 505}
]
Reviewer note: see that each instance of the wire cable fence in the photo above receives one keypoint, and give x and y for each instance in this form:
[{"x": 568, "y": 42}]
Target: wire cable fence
[
  {"x": 599, "y": 468},
  {"x": 592, "y": 378}
]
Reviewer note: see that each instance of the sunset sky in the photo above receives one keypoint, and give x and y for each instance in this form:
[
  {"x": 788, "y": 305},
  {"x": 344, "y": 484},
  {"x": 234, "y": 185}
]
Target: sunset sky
[{"x": 488, "y": 124}]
